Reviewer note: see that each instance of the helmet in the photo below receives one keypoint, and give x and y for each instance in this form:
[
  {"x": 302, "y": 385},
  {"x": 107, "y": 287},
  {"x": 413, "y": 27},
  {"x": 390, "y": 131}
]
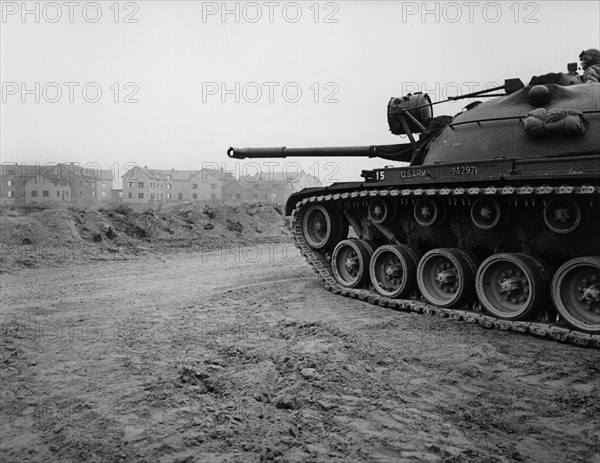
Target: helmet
[{"x": 589, "y": 57}]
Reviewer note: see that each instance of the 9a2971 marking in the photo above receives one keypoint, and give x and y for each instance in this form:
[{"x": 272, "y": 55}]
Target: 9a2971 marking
[{"x": 463, "y": 170}]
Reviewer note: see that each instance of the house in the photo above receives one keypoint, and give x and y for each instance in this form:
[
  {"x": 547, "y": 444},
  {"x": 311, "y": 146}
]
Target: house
[
  {"x": 207, "y": 185},
  {"x": 41, "y": 189},
  {"x": 116, "y": 195},
  {"x": 86, "y": 185},
  {"x": 147, "y": 186},
  {"x": 274, "y": 187},
  {"x": 13, "y": 180},
  {"x": 237, "y": 191}
]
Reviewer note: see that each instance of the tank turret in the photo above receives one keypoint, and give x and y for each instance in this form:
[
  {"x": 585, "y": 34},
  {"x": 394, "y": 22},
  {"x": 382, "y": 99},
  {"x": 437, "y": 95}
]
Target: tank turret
[{"x": 495, "y": 221}]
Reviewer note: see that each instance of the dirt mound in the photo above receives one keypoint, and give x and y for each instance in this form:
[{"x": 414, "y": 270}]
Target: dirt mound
[{"x": 36, "y": 235}]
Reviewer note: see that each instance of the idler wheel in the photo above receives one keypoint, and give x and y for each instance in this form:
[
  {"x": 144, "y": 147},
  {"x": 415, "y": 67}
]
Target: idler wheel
[
  {"x": 488, "y": 213},
  {"x": 393, "y": 270},
  {"x": 380, "y": 211},
  {"x": 350, "y": 263},
  {"x": 563, "y": 215},
  {"x": 322, "y": 227},
  {"x": 446, "y": 277},
  {"x": 512, "y": 286},
  {"x": 576, "y": 293},
  {"x": 428, "y": 212}
]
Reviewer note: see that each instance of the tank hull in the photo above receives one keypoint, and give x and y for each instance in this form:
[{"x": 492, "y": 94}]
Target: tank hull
[{"x": 536, "y": 217}]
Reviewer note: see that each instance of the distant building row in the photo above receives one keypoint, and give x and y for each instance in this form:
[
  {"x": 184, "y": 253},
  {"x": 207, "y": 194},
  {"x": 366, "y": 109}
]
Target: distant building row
[
  {"x": 147, "y": 186},
  {"x": 59, "y": 183},
  {"x": 71, "y": 183}
]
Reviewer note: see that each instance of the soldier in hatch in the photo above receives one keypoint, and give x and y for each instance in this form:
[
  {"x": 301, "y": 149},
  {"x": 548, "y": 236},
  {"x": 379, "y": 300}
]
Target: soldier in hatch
[{"x": 590, "y": 63}]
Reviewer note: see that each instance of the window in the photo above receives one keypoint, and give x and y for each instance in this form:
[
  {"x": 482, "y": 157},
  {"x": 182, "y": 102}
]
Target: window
[
  {"x": 168, "y": 177},
  {"x": 104, "y": 185},
  {"x": 57, "y": 194},
  {"x": 169, "y": 186},
  {"x": 130, "y": 184},
  {"x": 195, "y": 186},
  {"x": 45, "y": 193},
  {"x": 168, "y": 195},
  {"x": 140, "y": 195},
  {"x": 180, "y": 196},
  {"x": 140, "y": 184},
  {"x": 130, "y": 195},
  {"x": 195, "y": 196},
  {"x": 103, "y": 194},
  {"x": 10, "y": 183},
  {"x": 213, "y": 186},
  {"x": 34, "y": 193},
  {"x": 10, "y": 193}
]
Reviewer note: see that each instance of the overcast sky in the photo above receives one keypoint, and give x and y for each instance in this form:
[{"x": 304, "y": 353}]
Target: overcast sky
[{"x": 303, "y": 74}]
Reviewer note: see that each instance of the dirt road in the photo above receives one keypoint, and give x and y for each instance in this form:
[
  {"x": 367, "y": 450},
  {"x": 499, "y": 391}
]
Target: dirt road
[{"x": 242, "y": 355}]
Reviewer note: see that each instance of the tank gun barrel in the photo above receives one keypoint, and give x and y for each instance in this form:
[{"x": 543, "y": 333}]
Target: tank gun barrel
[{"x": 283, "y": 152}]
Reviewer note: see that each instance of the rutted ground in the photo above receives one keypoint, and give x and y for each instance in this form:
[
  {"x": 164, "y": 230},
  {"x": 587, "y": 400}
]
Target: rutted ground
[{"x": 241, "y": 355}]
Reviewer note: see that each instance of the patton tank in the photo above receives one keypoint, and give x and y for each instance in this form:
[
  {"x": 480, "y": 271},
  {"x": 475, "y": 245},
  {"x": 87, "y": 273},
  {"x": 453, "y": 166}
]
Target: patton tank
[{"x": 495, "y": 220}]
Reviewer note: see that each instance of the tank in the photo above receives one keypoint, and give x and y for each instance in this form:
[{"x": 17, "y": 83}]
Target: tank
[{"x": 492, "y": 216}]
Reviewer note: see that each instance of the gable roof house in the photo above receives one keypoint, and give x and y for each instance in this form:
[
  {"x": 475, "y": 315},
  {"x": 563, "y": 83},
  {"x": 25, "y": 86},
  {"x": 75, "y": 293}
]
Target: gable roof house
[
  {"x": 85, "y": 184},
  {"x": 42, "y": 189},
  {"x": 147, "y": 186}
]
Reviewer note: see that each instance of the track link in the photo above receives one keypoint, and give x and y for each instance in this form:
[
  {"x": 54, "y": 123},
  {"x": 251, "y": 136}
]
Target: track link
[{"x": 321, "y": 265}]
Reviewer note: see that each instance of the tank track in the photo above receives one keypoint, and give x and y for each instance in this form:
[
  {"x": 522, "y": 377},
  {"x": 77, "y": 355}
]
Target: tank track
[{"x": 322, "y": 266}]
